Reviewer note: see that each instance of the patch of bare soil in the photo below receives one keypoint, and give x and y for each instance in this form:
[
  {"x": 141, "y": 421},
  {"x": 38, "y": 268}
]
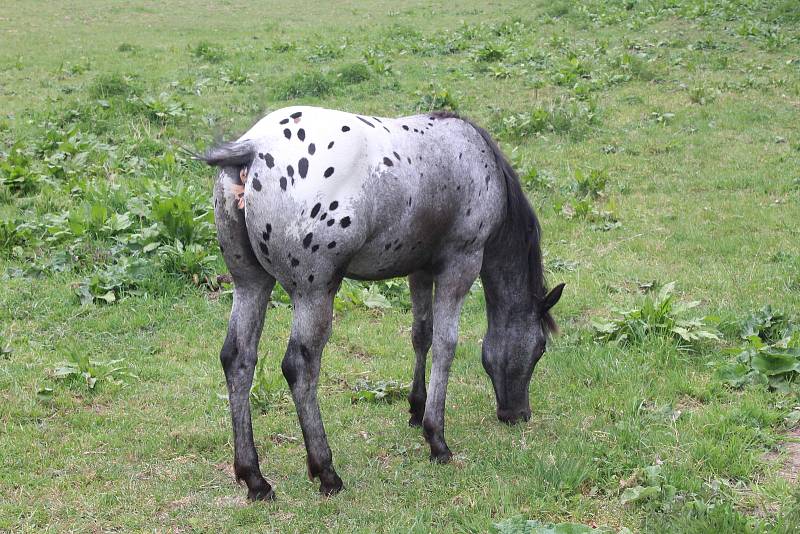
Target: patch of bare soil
[
  {"x": 227, "y": 468},
  {"x": 230, "y": 501},
  {"x": 790, "y": 470}
]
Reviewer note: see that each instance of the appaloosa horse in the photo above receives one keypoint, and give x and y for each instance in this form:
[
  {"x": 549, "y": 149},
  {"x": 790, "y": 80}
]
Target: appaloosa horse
[{"x": 309, "y": 196}]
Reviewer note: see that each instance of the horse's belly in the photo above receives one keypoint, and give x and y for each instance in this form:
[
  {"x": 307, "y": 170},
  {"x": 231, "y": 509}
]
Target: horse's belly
[
  {"x": 369, "y": 264},
  {"x": 411, "y": 242}
]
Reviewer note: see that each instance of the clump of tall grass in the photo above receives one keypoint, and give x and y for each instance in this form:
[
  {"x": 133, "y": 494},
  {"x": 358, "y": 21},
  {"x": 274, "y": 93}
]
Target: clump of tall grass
[{"x": 558, "y": 116}]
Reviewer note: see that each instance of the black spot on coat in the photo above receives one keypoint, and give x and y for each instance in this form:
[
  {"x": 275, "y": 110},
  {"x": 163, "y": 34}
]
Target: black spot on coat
[
  {"x": 365, "y": 121},
  {"x": 345, "y": 222},
  {"x": 302, "y": 167},
  {"x": 307, "y": 240},
  {"x": 287, "y": 133},
  {"x": 315, "y": 209},
  {"x": 328, "y": 172}
]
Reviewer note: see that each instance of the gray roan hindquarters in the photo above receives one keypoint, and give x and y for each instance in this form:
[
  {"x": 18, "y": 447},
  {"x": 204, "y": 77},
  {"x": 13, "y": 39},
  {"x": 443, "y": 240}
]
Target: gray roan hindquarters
[{"x": 310, "y": 195}]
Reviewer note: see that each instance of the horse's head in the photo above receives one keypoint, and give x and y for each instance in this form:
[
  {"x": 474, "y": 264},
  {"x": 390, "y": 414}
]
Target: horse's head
[{"x": 513, "y": 345}]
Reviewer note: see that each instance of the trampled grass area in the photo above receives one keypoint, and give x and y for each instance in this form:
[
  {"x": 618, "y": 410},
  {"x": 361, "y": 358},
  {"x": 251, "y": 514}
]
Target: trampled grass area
[{"x": 658, "y": 141}]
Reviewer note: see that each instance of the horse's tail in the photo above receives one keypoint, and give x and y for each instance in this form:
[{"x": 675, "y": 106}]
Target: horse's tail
[{"x": 232, "y": 154}]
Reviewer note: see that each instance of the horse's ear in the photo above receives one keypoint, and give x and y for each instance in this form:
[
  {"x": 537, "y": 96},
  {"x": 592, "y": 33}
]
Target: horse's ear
[{"x": 552, "y": 298}]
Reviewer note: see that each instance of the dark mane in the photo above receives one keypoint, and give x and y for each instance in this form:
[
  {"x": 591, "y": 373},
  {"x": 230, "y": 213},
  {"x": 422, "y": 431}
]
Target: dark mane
[{"x": 521, "y": 221}]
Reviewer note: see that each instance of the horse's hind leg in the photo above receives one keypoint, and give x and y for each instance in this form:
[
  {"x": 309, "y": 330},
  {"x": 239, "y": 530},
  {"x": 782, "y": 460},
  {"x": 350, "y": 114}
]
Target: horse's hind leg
[
  {"x": 421, "y": 285},
  {"x": 252, "y": 289},
  {"x": 311, "y": 328},
  {"x": 238, "y": 356},
  {"x": 452, "y": 286}
]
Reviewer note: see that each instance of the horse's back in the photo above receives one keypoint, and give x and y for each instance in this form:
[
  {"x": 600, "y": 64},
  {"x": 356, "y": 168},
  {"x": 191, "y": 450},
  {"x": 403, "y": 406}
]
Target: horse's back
[{"x": 368, "y": 197}]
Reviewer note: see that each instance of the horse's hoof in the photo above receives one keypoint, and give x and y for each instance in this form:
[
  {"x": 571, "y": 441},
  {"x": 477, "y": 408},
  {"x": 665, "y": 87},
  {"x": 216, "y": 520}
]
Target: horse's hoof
[
  {"x": 441, "y": 457},
  {"x": 330, "y": 485},
  {"x": 261, "y": 494}
]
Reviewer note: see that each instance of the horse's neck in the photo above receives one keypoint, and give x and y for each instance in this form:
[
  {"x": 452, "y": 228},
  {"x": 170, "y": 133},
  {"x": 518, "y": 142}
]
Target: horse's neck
[{"x": 507, "y": 277}]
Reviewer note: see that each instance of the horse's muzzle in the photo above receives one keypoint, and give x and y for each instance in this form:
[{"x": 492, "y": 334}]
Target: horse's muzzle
[{"x": 514, "y": 416}]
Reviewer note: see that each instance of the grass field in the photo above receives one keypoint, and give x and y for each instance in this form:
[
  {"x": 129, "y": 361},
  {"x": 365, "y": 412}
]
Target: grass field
[{"x": 658, "y": 141}]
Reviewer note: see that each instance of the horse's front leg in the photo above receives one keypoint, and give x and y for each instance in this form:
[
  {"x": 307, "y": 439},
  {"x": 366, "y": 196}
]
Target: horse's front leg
[
  {"x": 238, "y": 356},
  {"x": 311, "y": 328},
  {"x": 452, "y": 286}
]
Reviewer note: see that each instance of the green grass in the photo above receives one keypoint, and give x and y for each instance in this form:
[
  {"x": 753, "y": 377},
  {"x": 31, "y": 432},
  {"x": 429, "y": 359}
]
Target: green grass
[{"x": 684, "y": 115}]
